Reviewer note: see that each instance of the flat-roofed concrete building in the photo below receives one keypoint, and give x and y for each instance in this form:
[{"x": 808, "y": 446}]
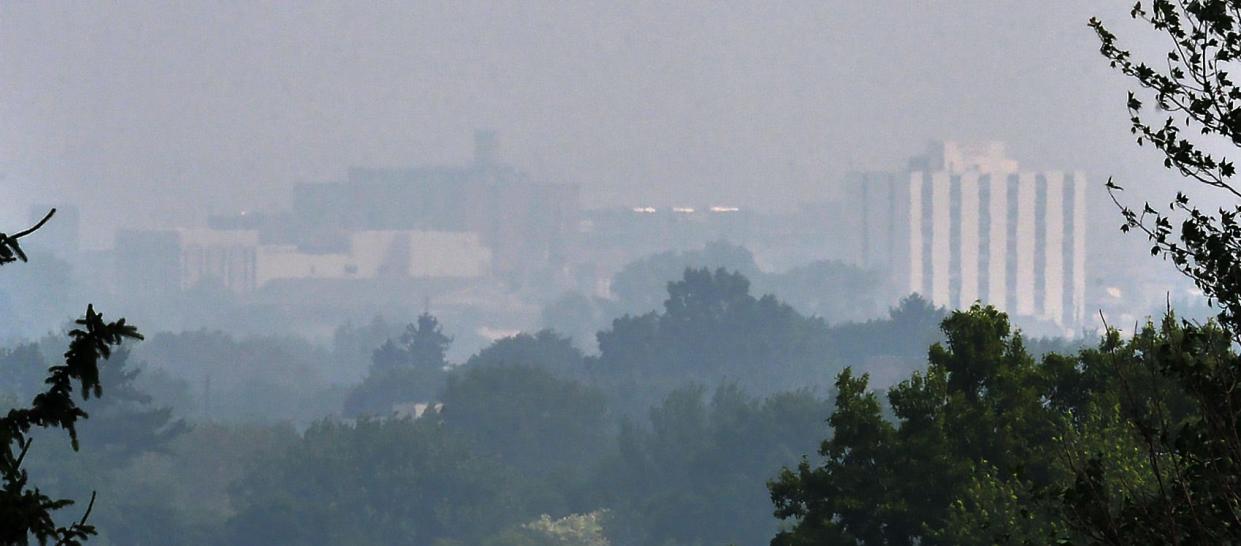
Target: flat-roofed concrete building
[
  {"x": 965, "y": 224},
  {"x": 236, "y": 260},
  {"x": 524, "y": 222}
]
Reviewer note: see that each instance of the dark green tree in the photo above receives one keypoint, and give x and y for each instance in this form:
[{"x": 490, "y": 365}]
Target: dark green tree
[
  {"x": 712, "y": 330},
  {"x": 903, "y": 337},
  {"x": 639, "y": 286},
  {"x": 1154, "y": 462},
  {"x": 693, "y": 473},
  {"x": 127, "y": 423},
  {"x": 425, "y": 343},
  {"x": 410, "y": 369},
  {"x": 527, "y": 418},
  {"x": 545, "y": 349},
  {"x": 576, "y": 316},
  {"x": 982, "y": 407},
  {"x": 388, "y": 481},
  {"x": 1188, "y": 107},
  {"x": 25, "y": 511}
]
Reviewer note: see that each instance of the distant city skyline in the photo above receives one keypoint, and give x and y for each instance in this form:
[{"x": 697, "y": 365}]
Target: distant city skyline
[{"x": 155, "y": 115}]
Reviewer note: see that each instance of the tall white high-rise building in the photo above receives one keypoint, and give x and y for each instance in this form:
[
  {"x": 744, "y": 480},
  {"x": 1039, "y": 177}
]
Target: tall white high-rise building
[{"x": 965, "y": 224}]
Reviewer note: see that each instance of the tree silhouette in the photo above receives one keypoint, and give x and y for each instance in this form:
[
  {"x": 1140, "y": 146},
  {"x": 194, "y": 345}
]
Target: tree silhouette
[
  {"x": 24, "y": 510},
  {"x": 1194, "y": 94},
  {"x": 410, "y": 369},
  {"x": 1196, "y": 454}
]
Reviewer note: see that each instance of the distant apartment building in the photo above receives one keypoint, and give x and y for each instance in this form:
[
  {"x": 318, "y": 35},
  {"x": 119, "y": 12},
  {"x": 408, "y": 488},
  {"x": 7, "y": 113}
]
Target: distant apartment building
[{"x": 965, "y": 224}]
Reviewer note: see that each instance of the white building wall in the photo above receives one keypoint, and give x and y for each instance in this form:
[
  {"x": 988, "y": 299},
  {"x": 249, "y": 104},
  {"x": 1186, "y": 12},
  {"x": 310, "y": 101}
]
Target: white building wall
[
  {"x": 1025, "y": 244},
  {"x": 994, "y": 279},
  {"x": 997, "y": 269},
  {"x": 916, "y": 275},
  {"x": 424, "y": 254},
  {"x": 430, "y": 253},
  {"x": 287, "y": 262},
  {"x": 1079, "y": 247},
  {"x": 969, "y": 239},
  {"x": 444, "y": 254},
  {"x": 941, "y": 227},
  {"x": 1053, "y": 271}
]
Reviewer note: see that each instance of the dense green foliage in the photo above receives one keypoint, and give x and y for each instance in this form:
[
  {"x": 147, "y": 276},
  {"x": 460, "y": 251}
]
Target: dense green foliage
[
  {"x": 1162, "y": 463},
  {"x": 1191, "y": 417},
  {"x": 982, "y": 405},
  {"x": 1123, "y": 443},
  {"x": 546, "y": 350},
  {"x": 526, "y": 417},
  {"x": 392, "y": 481}
]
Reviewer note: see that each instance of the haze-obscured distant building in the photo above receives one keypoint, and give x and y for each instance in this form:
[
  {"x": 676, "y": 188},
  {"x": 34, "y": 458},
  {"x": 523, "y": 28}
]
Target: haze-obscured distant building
[
  {"x": 391, "y": 254},
  {"x": 227, "y": 258},
  {"x": 148, "y": 261},
  {"x": 616, "y": 236},
  {"x": 236, "y": 260},
  {"x": 964, "y": 224},
  {"x": 525, "y": 223}
]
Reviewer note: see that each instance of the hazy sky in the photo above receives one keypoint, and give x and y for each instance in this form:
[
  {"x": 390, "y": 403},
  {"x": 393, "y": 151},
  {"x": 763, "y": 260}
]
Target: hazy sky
[{"x": 153, "y": 114}]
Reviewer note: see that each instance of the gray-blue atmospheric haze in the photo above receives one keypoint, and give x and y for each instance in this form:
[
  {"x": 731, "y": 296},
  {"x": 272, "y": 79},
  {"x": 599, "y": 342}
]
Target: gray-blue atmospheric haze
[{"x": 605, "y": 273}]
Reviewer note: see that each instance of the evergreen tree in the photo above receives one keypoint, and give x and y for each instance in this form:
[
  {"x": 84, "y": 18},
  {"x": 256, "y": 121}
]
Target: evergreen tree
[
  {"x": 409, "y": 369},
  {"x": 126, "y": 423},
  {"x": 26, "y": 512},
  {"x": 426, "y": 343}
]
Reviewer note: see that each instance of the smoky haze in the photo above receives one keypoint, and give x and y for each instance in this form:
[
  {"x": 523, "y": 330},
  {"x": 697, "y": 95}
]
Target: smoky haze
[
  {"x": 160, "y": 114},
  {"x": 516, "y": 273}
]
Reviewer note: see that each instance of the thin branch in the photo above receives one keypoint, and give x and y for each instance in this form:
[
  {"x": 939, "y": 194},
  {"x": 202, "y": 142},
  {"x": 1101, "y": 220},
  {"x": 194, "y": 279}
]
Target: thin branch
[
  {"x": 25, "y": 449},
  {"x": 35, "y": 227},
  {"x": 89, "y": 506}
]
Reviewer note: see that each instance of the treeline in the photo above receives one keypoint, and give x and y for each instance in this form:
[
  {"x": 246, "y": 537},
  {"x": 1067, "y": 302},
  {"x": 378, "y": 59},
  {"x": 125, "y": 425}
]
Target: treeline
[
  {"x": 667, "y": 436},
  {"x": 676, "y": 433},
  {"x": 830, "y": 290},
  {"x": 1129, "y": 442}
]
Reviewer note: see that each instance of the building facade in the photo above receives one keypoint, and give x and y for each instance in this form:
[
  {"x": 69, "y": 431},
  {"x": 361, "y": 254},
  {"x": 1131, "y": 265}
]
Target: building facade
[
  {"x": 965, "y": 224},
  {"x": 524, "y": 222}
]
